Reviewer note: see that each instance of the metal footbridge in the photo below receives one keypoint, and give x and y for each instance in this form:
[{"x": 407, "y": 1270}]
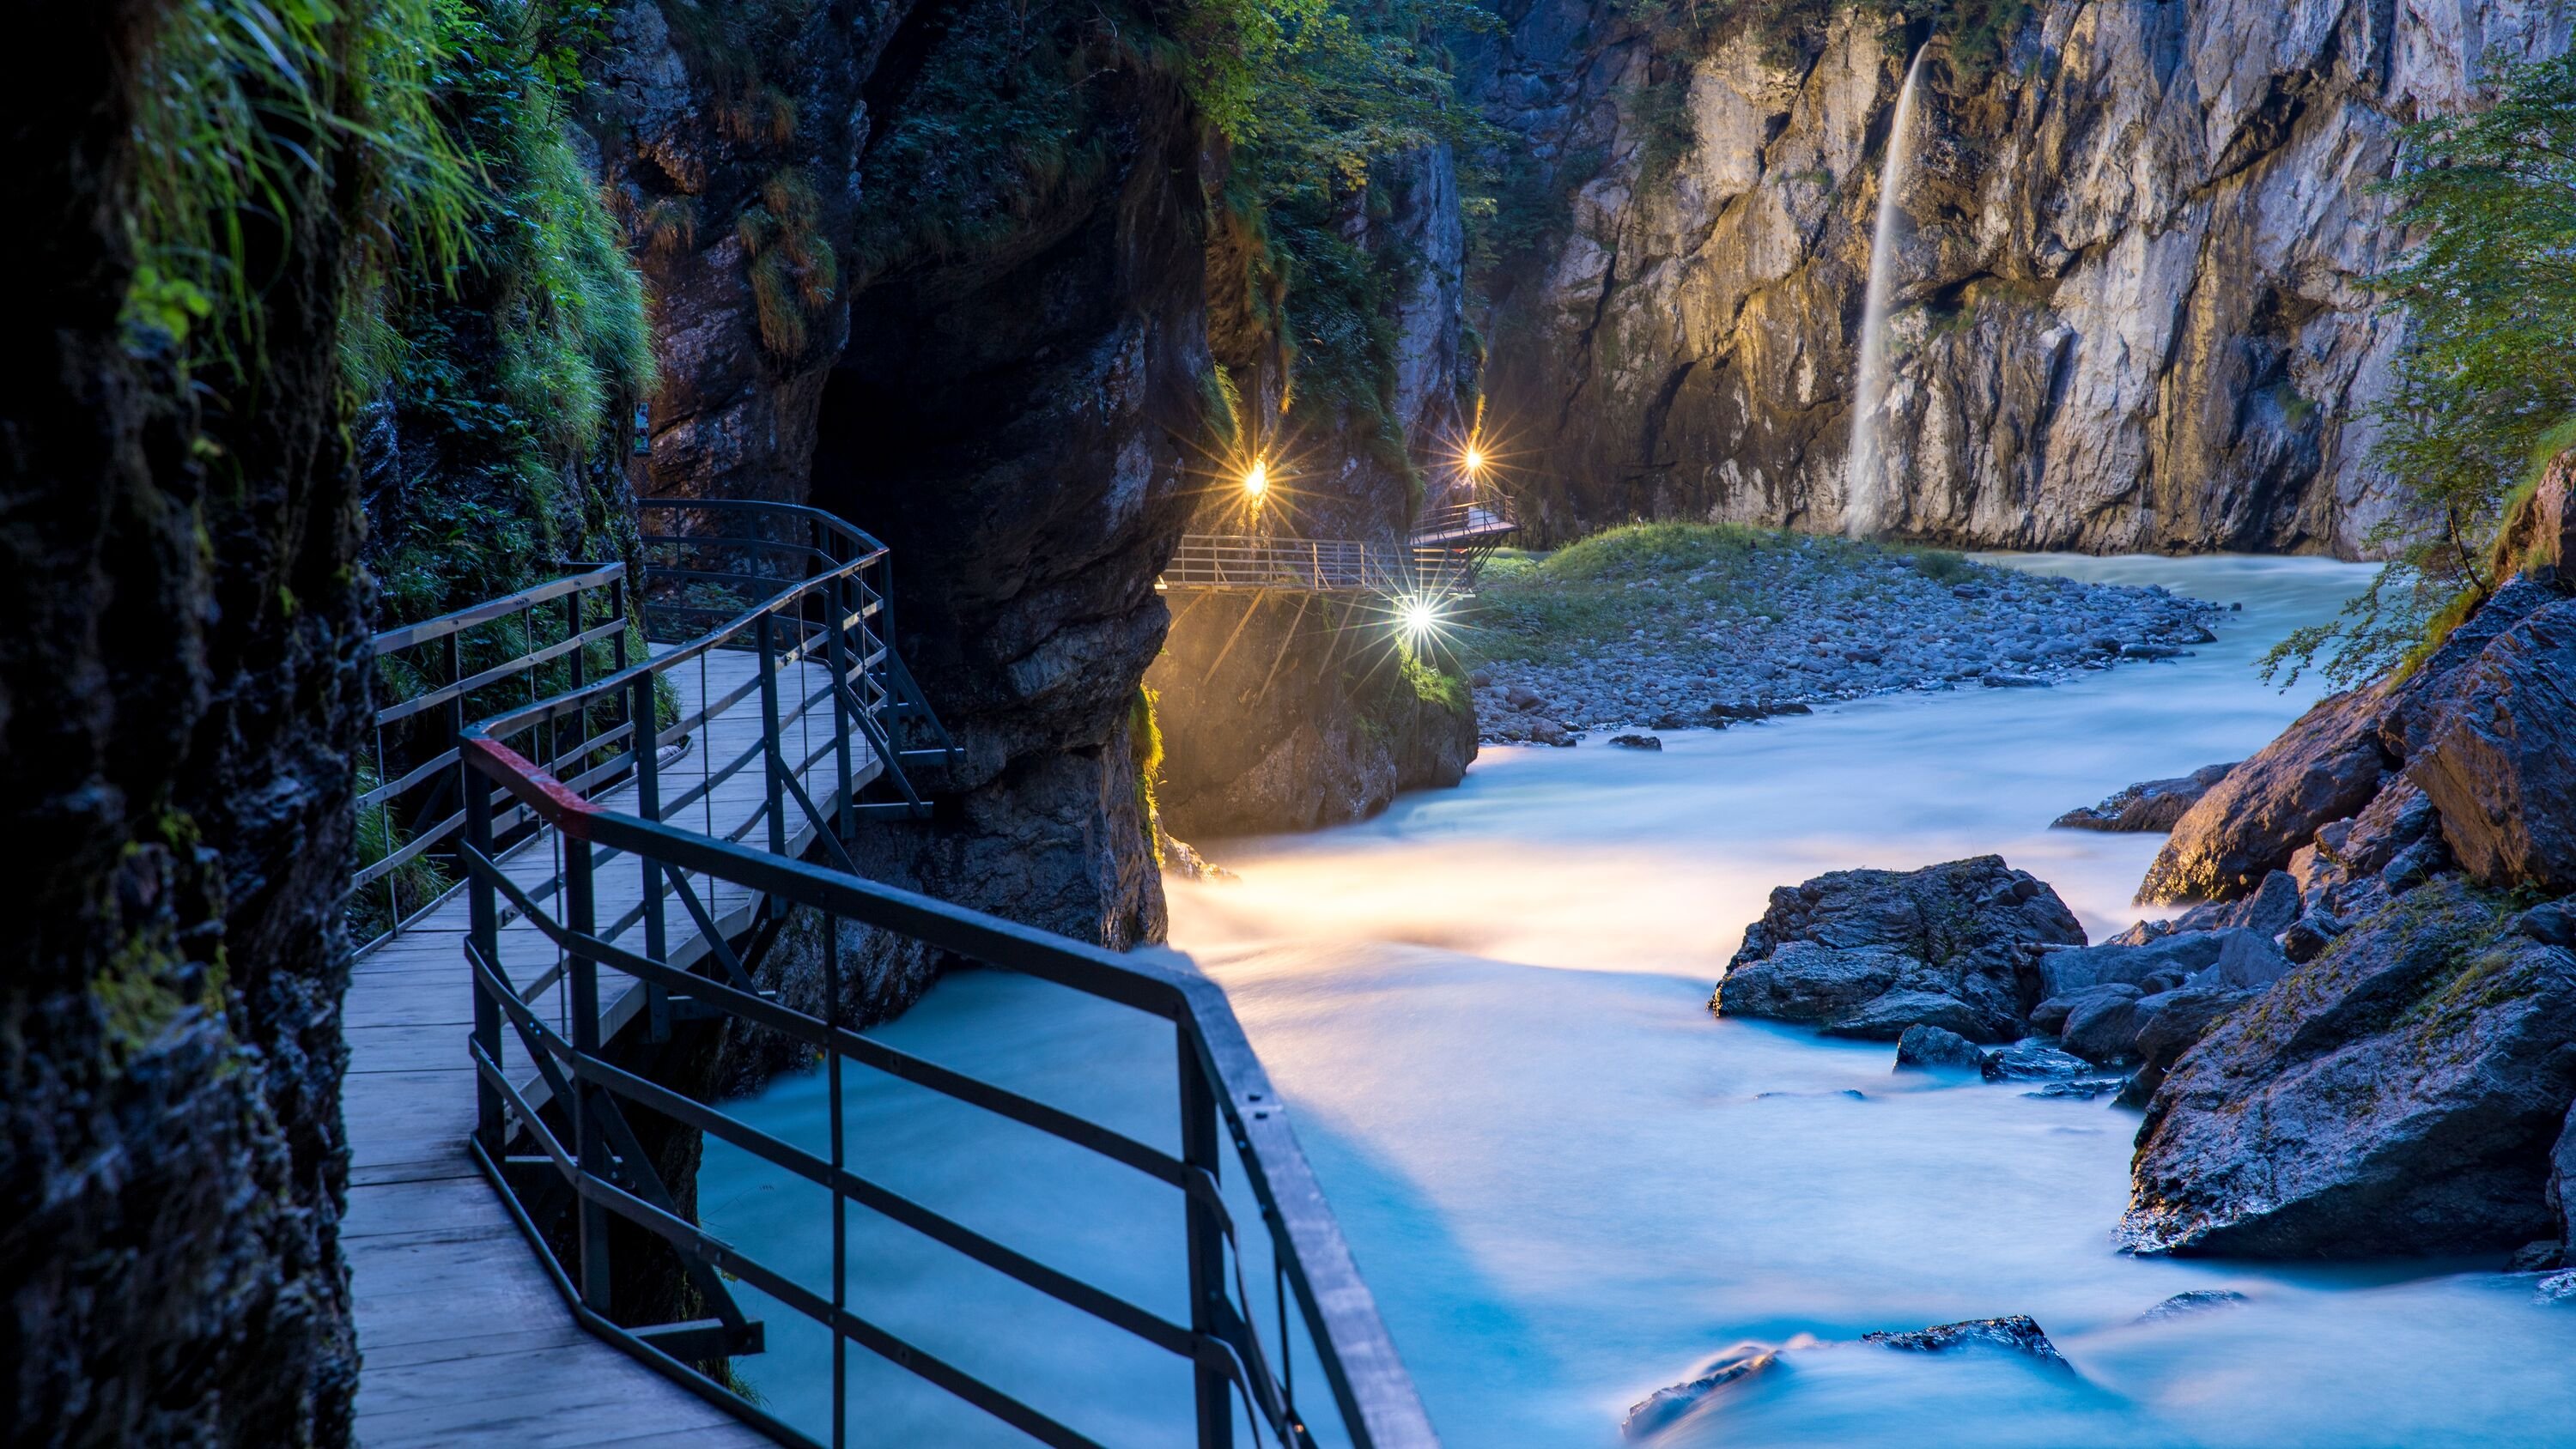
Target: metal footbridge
[
  {"x": 595, "y": 807},
  {"x": 1439, "y": 560}
]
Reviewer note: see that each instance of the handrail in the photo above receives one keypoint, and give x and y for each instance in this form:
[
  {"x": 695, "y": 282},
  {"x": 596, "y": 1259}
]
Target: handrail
[
  {"x": 1322, "y": 566},
  {"x": 410, "y": 832},
  {"x": 565, "y": 1136}
]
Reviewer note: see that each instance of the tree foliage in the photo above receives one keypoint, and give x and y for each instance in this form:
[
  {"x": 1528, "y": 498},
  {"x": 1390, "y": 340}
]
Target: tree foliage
[{"x": 2487, "y": 378}]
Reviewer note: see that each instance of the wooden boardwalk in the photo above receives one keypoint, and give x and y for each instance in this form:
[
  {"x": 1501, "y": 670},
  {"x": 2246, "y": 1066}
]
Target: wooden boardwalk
[{"x": 463, "y": 1336}]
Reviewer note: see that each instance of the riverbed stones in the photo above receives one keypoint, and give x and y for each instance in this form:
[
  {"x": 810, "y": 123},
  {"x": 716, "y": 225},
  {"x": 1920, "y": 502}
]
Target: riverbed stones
[
  {"x": 2323, "y": 768},
  {"x": 2018, "y": 1333},
  {"x": 2499, "y": 766},
  {"x": 1871, "y": 952},
  {"x": 2147, "y": 805},
  {"x": 2400, "y": 1094}
]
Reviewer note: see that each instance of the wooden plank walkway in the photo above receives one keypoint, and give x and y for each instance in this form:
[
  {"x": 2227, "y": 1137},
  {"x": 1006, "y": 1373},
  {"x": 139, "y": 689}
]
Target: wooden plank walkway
[{"x": 463, "y": 1337}]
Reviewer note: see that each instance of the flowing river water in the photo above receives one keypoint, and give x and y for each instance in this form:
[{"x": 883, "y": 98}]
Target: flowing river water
[{"x": 1568, "y": 1184}]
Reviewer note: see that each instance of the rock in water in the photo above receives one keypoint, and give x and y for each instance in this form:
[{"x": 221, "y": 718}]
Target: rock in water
[
  {"x": 2323, "y": 768},
  {"x": 2561, "y": 1196},
  {"x": 2400, "y": 1094},
  {"x": 2500, "y": 766},
  {"x": 1924, "y": 1047},
  {"x": 2197, "y": 1300},
  {"x": 2031, "y": 1061},
  {"x": 2017, "y": 1334},
  {"x": 2148, "y": 805},
  {"x": 1869, "y": 953},
  {"x": 1663, "y": 1406},
  {"x": 1637, "y": 742}
]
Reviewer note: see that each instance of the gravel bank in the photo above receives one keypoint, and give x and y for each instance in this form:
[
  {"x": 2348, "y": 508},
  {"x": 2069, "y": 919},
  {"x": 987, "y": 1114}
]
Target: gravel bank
[{"x": 1671, "y": 626}]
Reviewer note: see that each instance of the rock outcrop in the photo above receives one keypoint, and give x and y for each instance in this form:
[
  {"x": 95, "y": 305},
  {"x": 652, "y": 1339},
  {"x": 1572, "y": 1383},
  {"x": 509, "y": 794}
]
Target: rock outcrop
[
  {"x": 1286, "y": 711},
  {"x": 180, "y": 695},
  {"x": 2400, "y": 1094},
  {"x": 2500, "y": 769},
  {"x": 2323, "y": 768},
  {"x": 1869, "y": 953},
  {"x": 2132, "y": 308},
  {"x": 2147, "y": 805}
]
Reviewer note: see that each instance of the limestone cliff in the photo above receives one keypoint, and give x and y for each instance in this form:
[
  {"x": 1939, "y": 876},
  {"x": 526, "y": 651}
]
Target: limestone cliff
[{"x": 2131, "y": 310}]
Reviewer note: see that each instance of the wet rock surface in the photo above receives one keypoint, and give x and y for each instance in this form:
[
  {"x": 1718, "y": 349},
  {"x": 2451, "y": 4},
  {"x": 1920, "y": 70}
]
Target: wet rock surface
[
  {"x": 2017, "y": 1334},
  {"x": 2499, "y": 767},
  {"x": 2194, "y": 1301},
  {"x": 1870, "y": 953},
  {"x": 2323, "y": 768},
  {"x": 2147, "y": 805},
  {"x": 2399, "y": 1094},
  {"x": 1665, "y": 1405},
  {"x": 1799, "y": 622}
]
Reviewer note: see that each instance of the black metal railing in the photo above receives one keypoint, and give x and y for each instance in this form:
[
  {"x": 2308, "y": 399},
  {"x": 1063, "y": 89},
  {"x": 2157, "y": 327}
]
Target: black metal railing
[
  {"x": 429, "y": 678},
  {"x": 558, "y": 1134},
  {"x": 709, "y": 567}
]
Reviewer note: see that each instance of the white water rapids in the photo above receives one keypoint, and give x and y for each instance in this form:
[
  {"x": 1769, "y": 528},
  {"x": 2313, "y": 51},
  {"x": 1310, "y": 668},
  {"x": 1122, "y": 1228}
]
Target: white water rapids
[{"x": 1567, "y": 1183}]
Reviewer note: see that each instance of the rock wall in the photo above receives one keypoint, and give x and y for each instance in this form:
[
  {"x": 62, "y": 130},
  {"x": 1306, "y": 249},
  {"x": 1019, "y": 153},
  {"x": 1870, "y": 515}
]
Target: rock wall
[
  {"x": 2131, "y": 309},
  {"x": 1012, "y": 426},
  {"x": 728, "y": 136},
  {"x": 1286, "y": 711},
  {"x": 179, "y": 693}
]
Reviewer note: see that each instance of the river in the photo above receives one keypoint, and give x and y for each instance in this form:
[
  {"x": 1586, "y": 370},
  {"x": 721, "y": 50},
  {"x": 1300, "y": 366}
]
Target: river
[{"x": 1568, "y": 1184}]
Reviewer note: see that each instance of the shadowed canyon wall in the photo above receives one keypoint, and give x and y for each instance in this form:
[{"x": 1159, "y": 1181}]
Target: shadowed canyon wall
[
  {"x": 179, "y": 694},
  {"x": 2132, "y": 309},
  {"x": 1284, "y": 710}
]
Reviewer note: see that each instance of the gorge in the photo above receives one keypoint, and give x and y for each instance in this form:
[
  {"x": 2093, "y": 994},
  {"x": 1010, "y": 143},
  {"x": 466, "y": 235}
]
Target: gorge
[{"x": 1747, "y": 316}]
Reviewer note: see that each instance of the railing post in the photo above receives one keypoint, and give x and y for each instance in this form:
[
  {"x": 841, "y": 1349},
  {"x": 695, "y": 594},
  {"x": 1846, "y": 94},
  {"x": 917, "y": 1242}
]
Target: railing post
[
  {"x": 580, "y": 677},
  {"x": 835, "y": 647},
  {"x": 770, "y": 760},
  {"x": 483, "y": 926},
  {"x": 581, "y": 978},
  {"x": 645, "y": 739},
  {"x": 1206, "y": 1245}
]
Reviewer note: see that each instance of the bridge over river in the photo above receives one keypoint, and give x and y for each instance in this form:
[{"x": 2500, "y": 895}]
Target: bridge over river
[{"x": 594, "y": 808}]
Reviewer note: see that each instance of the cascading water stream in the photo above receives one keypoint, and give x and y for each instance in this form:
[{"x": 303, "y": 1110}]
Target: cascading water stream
[{"x": 1863, "y": 503}]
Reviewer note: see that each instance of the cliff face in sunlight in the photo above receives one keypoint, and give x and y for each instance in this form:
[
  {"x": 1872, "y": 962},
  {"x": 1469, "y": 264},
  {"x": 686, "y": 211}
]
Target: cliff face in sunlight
[{"x": 2131, "y": 309}]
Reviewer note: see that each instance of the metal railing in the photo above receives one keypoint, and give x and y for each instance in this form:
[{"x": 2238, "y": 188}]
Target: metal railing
[
  {"x": 713, "y": 561},
  {"x": 1479, "y": 517},
  {"x": 1316, "y": 566},
  {"x": 588, "y": 1164},
  {"x": 417, "y": 799}
]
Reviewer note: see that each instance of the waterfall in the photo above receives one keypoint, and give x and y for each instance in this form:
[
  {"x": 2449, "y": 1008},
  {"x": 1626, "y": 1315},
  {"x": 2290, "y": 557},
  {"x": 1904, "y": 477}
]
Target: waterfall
[{"x": 1863, "y": 505}]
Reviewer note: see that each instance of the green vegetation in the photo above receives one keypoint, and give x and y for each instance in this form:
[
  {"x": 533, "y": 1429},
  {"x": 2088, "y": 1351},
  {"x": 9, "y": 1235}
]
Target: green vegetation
[
  {"x": 1145, "y": 756},
  {"x": 507, "y": 375},
  {"x": 244, "y": 98},
  {"x": 2486, "y": 388},
  {"x": 1559, "y": 605}
]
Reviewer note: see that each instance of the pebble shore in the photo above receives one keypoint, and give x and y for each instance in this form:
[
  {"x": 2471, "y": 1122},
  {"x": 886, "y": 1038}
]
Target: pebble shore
[{"x": 1804, "y": 622}]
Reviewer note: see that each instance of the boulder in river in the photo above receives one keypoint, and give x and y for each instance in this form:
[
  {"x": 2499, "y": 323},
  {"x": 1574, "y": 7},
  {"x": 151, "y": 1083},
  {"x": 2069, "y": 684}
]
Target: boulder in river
[
  {"x": 1871, "y": 952},
  {"x": 1926, "y": 1047},
  {"x": 2499, "y": 766},
  {"x": 2400, "y": 1094},
  {"x": 2323, "y": 768},
  {"x": 2031, "y": 1061},
  {"x": 2147, "y": 805},
  {"x": 2016, "y": 1334},
  {"x": 2191, "y": 1302},
  {"x": 1660, "y": 1408}
]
